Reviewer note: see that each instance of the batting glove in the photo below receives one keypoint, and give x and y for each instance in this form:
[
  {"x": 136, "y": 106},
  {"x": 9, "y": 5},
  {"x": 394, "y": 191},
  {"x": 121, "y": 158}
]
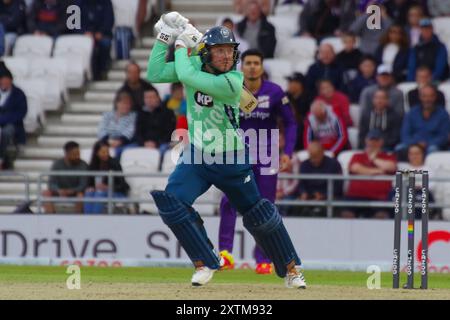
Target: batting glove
[
  {"x": 170, "y": 26},
  {"x": 176, "y": 21},
  {"x": 189, "y": 38}
]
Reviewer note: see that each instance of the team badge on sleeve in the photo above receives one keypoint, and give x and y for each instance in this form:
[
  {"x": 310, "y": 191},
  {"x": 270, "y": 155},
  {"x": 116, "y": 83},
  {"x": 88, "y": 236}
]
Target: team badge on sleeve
[{"x": 285, "y": 100}]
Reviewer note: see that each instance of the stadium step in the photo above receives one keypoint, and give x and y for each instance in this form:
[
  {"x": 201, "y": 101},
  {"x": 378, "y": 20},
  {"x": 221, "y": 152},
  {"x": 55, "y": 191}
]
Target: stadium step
[
  {"x": 42, "y": 153},
  {"x": 206, "y": 6},
  {"x": 90, "y": 107},
  {"x": 119, "y": 75},
  {"x": 65, "y": 129},
  {"x": 17, "y": 188},
  {"x": 82, "y": 119},
  {"x": 203, "y": 19},
  {"x": 148, "y": 42},
  {"x": 106, "y": 85},
  {"x": 122, "y": 64},
  {"x": 32, "y": 165},
  {"x": 10, "y": 209},
  {"x": 96, "y": 96},
  {"x": 47, "y": 141},
  {"x": 140, "y": 54}
]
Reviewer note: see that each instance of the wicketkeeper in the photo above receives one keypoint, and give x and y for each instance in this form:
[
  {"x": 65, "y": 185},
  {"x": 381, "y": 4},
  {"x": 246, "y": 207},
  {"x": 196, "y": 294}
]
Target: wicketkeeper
[{"x": 213, "y": 92}]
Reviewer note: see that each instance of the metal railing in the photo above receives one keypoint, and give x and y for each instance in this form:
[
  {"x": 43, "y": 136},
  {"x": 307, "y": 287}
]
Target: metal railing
[{"x": 329, "y": 203}]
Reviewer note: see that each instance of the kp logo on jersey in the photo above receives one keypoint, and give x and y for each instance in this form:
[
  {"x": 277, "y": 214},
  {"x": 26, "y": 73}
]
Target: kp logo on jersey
[{"x": 203, "y": 99}]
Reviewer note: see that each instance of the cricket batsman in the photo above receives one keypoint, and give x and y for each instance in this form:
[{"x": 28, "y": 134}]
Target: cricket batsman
[
  {"x": 213, "y": 92},
  {"x": 272, "y": 105}
]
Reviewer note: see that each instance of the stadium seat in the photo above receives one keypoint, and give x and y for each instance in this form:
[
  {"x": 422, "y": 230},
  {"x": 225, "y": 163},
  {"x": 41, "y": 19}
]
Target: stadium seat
[
  {"x": 53, "y": 70},
  {"x": 355, "y": 114},
  {"x": 445, "y": 88},
  {"x": 31, "y": 46},
  {"x": 18, "y": 66},
  {"x": 291, "y": 11},
  {"x": 125, "y": 13},
  {"x": 277, "y": 68},
  {"x": 35, "y": 93},
  {"x": 170, "y": 159},
  {"x": 441, "y": 27},
  {"x": 296, "y": 49},
  {"x": 163, "y": 89},
  {"x": 285, "y": 28},
  {"x": 344, "y": 159},
  {"x": 77, "y": 50},
  {"x": 406, "y": 87},
  {"x": 335, "y": 42},
  {"x": 439, "y": 163},
  {"x": 303, "y": 65},
  {"x": 138, "y": 160},
  {"x": 213, "y": 196},
  {"x": 233, "y": 16},
  {"x": 353, "y": 133}
]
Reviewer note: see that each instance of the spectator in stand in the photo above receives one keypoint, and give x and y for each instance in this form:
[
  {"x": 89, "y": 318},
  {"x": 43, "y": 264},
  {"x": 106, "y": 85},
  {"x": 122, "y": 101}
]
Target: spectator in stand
[
  {"x": 322, "y": 20},
  {"x": 336, "y": 99},
  {"x": 135, "y": 86},
  {"x": 243, "y": 45},
  {"x": 430, "y": 52},
  {"x": 398, "y": 10},
  {"x": 67, "y": 186},
  {"x": 370, "y": 38},
  {"x": 118, "y": 127},
  {"x": 12, "y": 17},
  {"x": 439, "y": 8},
  {"x": 155, "y": 123},
  {"x": 176, "y": 101},
  {"x": 318, "y": 163},
  {"x": 385, "y": 80},
  {"x": 13, "y": 109},
  {"x": 424, "y": 77},
  {"x": 427, "y": 124},
  {"x": 257, "y": 31},
  {"x": 325, "y": 67},
  {"x": 372, "y": 162},
  {"x": 349, "y": 58},
  {"x": 48, "y": 17},
  {"x": 240, "y": 6},
  {"x": 97, "y": 21},
  {"x": 315, "y": 14},
  {"x": 416, "y": 161},
  {"x": 365, "y": 78},
  {"x": 393, "y": 51},
  {"x": 381, "y": 117},
  {"x": 415, "y": 14},
  {"x": 97, "y": 187},
  {"x": 324, "y": 126},
  {"x": 300, "y": 100}
]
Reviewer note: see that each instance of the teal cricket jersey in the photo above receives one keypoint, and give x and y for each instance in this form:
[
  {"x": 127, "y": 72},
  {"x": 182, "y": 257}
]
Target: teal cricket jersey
[{"x": 212, "y": 100}]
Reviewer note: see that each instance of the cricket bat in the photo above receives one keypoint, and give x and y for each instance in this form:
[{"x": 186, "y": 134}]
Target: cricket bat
[{"x": 248, "y": 101}]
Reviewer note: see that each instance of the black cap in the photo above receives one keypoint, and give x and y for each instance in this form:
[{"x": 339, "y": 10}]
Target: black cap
[
  {"x": 374, "y": 134},
  {"x": 297, "y": 76}
]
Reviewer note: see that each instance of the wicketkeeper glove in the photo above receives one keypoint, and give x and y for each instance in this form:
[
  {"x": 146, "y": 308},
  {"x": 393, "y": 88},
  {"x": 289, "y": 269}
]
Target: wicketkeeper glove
[{"x": 189, "y": 38}]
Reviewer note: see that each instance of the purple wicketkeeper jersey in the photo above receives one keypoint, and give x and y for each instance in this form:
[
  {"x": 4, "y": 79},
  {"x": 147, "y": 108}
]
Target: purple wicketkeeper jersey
[{"x": 272, "y": 103}]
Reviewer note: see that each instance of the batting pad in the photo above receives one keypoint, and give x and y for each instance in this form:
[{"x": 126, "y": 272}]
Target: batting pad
[
  {"x": 265, "y": 224},
  {"x": 187, "y": 227}
]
